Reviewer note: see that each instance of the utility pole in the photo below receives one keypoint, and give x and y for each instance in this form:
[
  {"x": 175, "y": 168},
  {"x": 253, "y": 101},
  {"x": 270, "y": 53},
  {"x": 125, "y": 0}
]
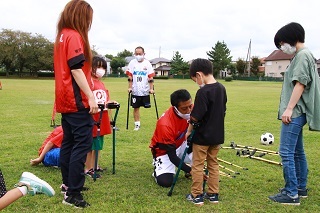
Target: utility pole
[
  {"x": 159, "y": 51},
  {"x": 248, "y": 59}
]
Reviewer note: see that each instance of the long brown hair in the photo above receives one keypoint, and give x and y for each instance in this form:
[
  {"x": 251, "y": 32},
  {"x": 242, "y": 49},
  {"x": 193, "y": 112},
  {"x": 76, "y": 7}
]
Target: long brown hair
[{"x": 77, "y": 15}]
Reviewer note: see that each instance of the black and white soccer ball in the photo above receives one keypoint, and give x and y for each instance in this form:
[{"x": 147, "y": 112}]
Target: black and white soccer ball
[{"x": 267, "y": 138}]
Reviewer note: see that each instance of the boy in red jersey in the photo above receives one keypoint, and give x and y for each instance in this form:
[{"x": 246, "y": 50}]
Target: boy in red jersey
[
  {"x": 101, "y": 94},
  {"x": 49, "y": 152},
  {"x": 73, "y": 95},
  {"x": 168, "y": 142}
]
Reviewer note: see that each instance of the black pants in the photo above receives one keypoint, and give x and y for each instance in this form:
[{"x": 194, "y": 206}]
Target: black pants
[{"x": 76, "y": 143}]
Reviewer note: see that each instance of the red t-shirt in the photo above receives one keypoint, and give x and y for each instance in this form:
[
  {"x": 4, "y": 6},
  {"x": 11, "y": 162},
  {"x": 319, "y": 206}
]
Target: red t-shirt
[
  {"x": 67, "y": 53},
  {"x": 101, "y": 94},
  {"x": 170, "y": 129},
  {"x": 55, "y": 137}
]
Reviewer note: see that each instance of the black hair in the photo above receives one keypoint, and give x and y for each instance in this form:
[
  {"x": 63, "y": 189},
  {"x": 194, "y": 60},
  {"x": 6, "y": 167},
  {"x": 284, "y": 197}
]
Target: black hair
[
  {"x": 290, "y": 33},
  {"x": 98, "y": 61},
  {"x": 201, "y": 65},
  {"x": 178, "y": 96},
  {"x": 139, "y": 47}
]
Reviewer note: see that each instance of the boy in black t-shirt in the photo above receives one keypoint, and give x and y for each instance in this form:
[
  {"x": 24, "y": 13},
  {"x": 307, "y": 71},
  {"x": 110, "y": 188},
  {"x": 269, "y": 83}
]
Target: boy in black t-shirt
[{"x": 208, "y": 116}]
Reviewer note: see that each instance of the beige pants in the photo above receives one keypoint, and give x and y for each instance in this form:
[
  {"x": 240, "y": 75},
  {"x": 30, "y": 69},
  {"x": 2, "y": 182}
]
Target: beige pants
[{"x": 200, "y": 155}]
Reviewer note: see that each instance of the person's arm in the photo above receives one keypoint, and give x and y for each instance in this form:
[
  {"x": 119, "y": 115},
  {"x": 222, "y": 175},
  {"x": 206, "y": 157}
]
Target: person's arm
[
  {"x": 81, "y": 80},
  {"x": 130, "y": 83},
  {"x": 171, "y": 152},
  {"x": 150, "y": 80},
  {"x": 295, "y": 97},
  {"x": 46, "y": 149}
]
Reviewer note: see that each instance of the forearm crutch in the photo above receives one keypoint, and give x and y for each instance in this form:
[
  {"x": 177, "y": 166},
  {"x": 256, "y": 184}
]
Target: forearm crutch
[
  {"x": 155, "y": 103},
  {"x": 181, "y": 162},
  {"x": 229, "y": 163},
  {"x": 129, "y": 99},
  {"x": 101, "y": 107},
  {"x": 113, "y": 123}
]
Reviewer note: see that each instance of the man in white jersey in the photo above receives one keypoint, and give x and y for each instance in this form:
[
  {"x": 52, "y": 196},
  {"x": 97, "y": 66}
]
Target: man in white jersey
[{"x": 140, "y": 77}]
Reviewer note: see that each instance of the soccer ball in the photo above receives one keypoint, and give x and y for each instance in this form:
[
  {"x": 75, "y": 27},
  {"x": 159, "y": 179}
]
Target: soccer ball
[{"x": 267, "y": 138}]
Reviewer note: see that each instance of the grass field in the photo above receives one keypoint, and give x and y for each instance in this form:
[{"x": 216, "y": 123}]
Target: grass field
[{"x": 25, "y": 114}]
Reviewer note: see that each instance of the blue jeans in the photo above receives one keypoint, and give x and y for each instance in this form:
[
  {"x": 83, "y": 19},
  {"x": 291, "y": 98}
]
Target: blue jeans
[{"x": 294, "y": 162}]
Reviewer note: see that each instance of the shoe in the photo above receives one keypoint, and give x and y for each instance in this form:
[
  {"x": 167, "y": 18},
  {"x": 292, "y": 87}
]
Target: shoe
[
  {"x": 99, "y": 169},
  {"x": 198, "y": 200},
  {"x": 136, "y": 128},
  {"x": 90, "y": 173},
  {"x": 285, "y": 199},
  {"x": 303, "y": 193},
  {"x": 187, "y": 175},
  {"x": 75, "y": 200},
  {"x": 213, "y": 198},
  {"x": 64, "y": 188},
  {"x": 35, "y": 185}
]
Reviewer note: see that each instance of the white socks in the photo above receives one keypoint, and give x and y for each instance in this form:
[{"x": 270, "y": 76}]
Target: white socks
[{"x": 23, "y": 190}]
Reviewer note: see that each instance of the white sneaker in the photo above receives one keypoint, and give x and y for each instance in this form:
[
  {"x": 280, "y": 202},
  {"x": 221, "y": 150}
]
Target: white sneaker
[
  {"x": 35, "y": 185},
  {"x": 136, "y": 128}
]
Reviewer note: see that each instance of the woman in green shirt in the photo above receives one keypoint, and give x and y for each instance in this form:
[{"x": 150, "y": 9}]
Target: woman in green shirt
[{"x": 299, "y": 104}]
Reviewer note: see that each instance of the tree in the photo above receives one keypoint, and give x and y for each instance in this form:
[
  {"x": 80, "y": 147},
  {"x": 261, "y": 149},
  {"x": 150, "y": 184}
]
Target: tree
[
  {"x": 254, "y": 66},
  {"x": 22, "y": 51},
  {"x": 178, "y": 65},
  {"x": 232, "y": 69},
  {"x": 109, "y": 56},
  {"x": 241, "y": 66},
  {"x": 124, "y": 53},
  {"x": 8, "y": 41},
  {"x": 117, "y": 63},
  {"x": 220, "y": 57}
]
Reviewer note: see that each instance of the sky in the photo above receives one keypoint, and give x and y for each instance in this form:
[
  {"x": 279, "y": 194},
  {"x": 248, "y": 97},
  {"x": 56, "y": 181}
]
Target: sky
[{"x": 166, "y": 26}]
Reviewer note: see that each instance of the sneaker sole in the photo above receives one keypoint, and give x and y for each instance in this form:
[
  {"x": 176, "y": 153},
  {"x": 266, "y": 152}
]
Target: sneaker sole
[
  {"x": 32, "y": 177},
  {"x": 198, "y": 204},
  {"x": 291, "y": 204},
  {"x": 70, "y": 204},
  {"x": 214, "y": 202},
  {"x": 303, "y": 196}
]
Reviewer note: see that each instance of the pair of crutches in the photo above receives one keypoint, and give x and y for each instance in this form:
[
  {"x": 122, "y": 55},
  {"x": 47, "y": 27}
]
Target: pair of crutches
[
  {"x": 129, "y": 100},
  {"x": 113, "y": 124}
]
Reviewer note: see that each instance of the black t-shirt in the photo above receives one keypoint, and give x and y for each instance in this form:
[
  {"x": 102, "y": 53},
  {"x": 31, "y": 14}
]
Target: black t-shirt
[{"x": 209, "y": 109}]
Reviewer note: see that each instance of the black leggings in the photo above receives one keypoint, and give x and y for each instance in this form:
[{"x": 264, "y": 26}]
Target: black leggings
[
  {"x": 3, "y": 189},
  {"x": 165, "y": 179}
]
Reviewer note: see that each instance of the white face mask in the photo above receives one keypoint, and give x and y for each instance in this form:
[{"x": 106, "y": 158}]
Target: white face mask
[
  {"x": 139, "y": 57},
  {"x": 288, "y": 49},
  {"x": 100, "y": 72},
  {"x": 184, "y": 116}
]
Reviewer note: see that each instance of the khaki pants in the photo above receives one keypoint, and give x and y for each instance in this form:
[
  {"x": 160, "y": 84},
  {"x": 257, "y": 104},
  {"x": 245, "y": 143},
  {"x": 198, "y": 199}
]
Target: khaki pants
[{"x": 200, "y": 154}]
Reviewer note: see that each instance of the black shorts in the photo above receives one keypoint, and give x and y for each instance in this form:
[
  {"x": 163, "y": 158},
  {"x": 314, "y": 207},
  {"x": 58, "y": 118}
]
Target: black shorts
[{"x": 138, "y": 101}]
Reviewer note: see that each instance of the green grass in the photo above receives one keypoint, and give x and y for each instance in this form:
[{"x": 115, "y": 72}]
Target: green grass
[{"x": 25, "y": 114}]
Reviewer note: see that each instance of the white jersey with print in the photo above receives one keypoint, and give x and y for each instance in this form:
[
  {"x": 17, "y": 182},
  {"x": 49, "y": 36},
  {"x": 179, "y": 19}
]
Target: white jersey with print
[{"x": 140, "y": 72}]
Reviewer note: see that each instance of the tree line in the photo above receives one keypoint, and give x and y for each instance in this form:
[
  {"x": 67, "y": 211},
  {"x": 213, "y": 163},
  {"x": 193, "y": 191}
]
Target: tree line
[{"x": 23, "y": 52}]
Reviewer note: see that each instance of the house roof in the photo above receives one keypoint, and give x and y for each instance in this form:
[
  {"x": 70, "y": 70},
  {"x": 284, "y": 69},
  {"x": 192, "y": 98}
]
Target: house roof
[
  {"x": 163, "y": 68},
  {"x": 277, "y": 55},
  {"x": 128, "y": 59},
  {"x": 318, "y": 61},
  {"x": 157, "y": 60}
]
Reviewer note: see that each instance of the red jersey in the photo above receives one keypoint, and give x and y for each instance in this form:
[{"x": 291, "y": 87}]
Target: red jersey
[
  {"x": 101, "y": 94},
  {"x": 55, "y": 137},
  {"x": 170, "y": 129},
  {"x": 67, "y": 53}
]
